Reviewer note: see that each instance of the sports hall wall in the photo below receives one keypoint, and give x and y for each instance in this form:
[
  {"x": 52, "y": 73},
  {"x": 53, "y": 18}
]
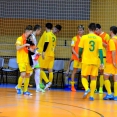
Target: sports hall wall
[{"x": 16, "y": 14}]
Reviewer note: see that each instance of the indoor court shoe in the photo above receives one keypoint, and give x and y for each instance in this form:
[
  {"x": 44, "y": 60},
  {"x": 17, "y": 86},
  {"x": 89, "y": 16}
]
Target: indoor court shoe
[
  {"x": 86, "y": 93},
  {"x": 19, "y": 92},
  {"x": 108, "y": 97},
  {"x": 91, "y": 98},
  {"x": 73, "y": 89},
  {"x": 27, "y": 93},
  {"x": 100, "y": 90},
  {"x": 40, "y": 90},
  {"x": 47, "y": 85},
  {"x": 115, "y": 98}
]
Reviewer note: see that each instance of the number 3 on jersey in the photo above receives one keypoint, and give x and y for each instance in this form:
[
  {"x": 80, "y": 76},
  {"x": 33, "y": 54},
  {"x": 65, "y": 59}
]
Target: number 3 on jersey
[{"x": 92, "y": 45}]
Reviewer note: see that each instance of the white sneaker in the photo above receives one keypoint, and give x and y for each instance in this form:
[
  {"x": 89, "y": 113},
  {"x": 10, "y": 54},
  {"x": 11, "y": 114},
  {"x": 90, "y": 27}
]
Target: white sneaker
[
  {"x": 47, "y": 85},
  {"x": 40, "y": 90}
]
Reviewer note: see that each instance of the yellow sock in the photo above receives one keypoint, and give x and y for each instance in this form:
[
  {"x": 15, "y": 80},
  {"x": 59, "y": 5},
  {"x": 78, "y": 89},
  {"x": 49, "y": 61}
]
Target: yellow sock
[
  {"x": 101, "y": 81},
  {"x": 92, "y": 87},
  {"x": 115, "y": 88},
  {"x": 72, "y": 83},
  {"x": 51, "y": 76},
  {"x": 26, "y": 82},
  {"x": 20, "y": 82},
  {"x": 85, "y": 83},
  {"x": 108, "y": 86},
  {"x": 44, "y": 76}
]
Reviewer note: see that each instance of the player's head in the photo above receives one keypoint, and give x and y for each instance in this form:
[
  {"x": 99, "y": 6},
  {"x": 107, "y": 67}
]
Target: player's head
[
  {"x": 113, "y": 30},
  {"x": 28, "y": 30},
  {"x": 37, "y": 29},
  {"x": 57, "y": 29},
  {"x": 92, "y": 27},
  {"x": 80, "y": 30},
  {"x": 49, "y": 26},
  {"x": 98, "y": 29}
]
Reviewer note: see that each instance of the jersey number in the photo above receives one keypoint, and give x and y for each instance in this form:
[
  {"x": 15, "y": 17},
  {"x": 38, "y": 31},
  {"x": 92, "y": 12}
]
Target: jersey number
[
  {"x": 92, "y": 45},
  {"x": 53, "y": 39}
]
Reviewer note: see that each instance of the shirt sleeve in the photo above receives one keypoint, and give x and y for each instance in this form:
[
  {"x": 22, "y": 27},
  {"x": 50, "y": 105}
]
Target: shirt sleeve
[
  {"x": 107, "y": 38},
  {"x": 73, "y": 42},
  {"x": 81, "y": 44},
  {"x": 47, "y": 37},
  {"x": 112, "y": 45},
  {"x": 18, "y": 41}
]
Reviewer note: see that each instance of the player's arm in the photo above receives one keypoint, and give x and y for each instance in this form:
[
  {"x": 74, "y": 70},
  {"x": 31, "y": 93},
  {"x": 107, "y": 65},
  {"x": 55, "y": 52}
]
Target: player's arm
[
  {"x": 19, "y": 46},
  {"x": 46, "y": 43},
  {"x": 100, "y": 51},
  {"x": 81, "y": 46},
  {"x": 113, "y": 49},
  {"x": 73, "y": 45}
]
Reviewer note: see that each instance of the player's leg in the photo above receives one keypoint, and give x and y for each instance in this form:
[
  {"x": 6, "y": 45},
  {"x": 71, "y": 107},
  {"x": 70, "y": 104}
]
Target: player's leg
[
  {"x": 85, "y": 70},
  {"x": 94, "y": 74},
  {"x": 29, "y": 70},
  {"x": 102, "y": 78},
  {"x": 22, "y": 69},
  {"x": 115, "y": 86},
  {"x": 72, "y": 79},
  {"x": 109, "y": 69}
]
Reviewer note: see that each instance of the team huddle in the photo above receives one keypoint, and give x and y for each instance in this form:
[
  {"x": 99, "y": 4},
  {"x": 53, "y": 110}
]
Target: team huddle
[{"x": 92, "y": 53}]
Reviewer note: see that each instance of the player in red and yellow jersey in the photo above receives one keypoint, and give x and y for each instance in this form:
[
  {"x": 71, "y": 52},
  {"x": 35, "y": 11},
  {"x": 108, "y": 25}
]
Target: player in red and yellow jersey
[
  {"x": 90, "y": 47},
  {"x": 111, "y": 64},
  {"x": 105, "y": 39},
  {"x": 23, "y": 60},
  {"x": 76, "y": 64}
]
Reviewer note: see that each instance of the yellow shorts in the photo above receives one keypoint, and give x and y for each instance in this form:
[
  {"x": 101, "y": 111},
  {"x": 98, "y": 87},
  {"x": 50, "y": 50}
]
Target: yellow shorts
[
  {"x": 99, "y": 62},
  {"x": 46, "y": 63},
  {"x": 89, "y": 69},
  {"x": 76, "y": 64},
  {"x": 110, "y": 69},
  {"x": 25, "y": 67}
]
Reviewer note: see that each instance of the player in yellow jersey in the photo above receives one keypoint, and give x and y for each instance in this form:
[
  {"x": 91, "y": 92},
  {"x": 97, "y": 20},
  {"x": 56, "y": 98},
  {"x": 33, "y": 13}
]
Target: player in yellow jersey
[
  {"x": 111, "y": 65},
  {"x": 76, "y": 64},
  {"x": 23, "y": 60},
  {"x": 47, "y": 58},
  {"x": 90, "y": 47},
  {"x": 105, "y": 39}
]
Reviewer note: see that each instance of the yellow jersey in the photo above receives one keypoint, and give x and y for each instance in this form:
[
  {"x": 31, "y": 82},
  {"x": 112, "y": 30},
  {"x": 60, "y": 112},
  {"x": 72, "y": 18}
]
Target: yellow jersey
[
  {"x": 90, "y": 43},
  {"x": 51, "y": 38},
  {"x": 41, "y": 42},
  {"x": 22, "y": 55}
]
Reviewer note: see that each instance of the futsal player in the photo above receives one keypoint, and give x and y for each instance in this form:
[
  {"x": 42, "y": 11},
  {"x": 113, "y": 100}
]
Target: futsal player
[
  {"x": 76, "y": 63},
  {"x": 90, "y": 47},
  {"x": 105, "y": 39},
  {"x": 111, "y": 64},
  {"x": 23, "y": 60}
]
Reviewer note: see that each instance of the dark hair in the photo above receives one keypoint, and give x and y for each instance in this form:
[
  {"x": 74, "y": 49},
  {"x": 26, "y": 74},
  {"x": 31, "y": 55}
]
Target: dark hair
[
  {"x": 81, "y": 26},
  {"x": 113, "y": 29},
  {"x": 49, "y": 26},
  {"x": 92, "y": 27},
  {"x": 36, "y": 27},
  {"x": 98, "y": 26},
  {"x": 59, "y": 27},
  {"x": 29, "y": 27}
]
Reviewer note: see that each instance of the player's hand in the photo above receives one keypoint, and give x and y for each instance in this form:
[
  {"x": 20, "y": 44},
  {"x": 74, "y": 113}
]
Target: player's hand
[
  {"x": 43, "y": 56},
  {"x": 102, "y": 67},
  {"x": 26, "y": 45},
  {"x": 114, "y": 64}
]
